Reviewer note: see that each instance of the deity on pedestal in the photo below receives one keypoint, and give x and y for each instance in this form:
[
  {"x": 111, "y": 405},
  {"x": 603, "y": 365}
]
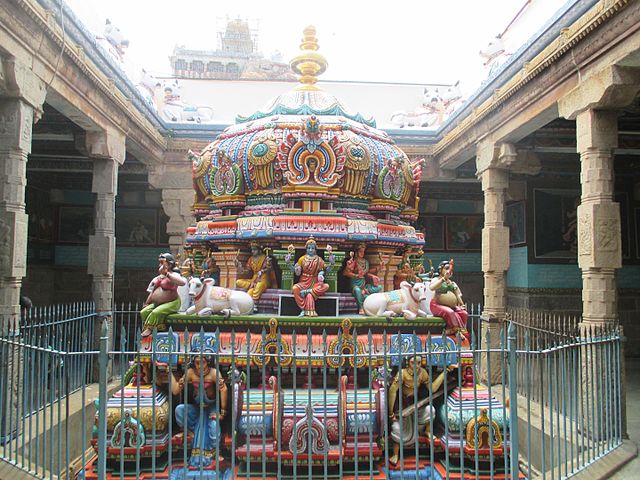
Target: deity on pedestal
[
  {"x": 311, "y": 268},
  {"x": 261, "y": 270},
  {"x": 362, "y": 278},
  {"x": 447, "y": 301}
]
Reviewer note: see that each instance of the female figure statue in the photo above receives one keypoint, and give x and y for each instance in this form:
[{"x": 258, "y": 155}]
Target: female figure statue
[
  {"x": 261, "y": 271},
  {"x": 203, "y": 416},
  {"x": 447, "y": 301},
  {"x": 408, "y": 382},
  {"x": 163, "y": 296},
  {"x": 362, "y": 278},
  {"x": 311, "y": 269}
]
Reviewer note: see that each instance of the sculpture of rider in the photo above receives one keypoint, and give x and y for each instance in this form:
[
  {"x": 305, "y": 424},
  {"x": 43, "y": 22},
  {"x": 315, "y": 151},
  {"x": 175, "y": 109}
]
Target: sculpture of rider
[
  {"x": 362, "y": 278},
  {"x": 447, "y": 301}
]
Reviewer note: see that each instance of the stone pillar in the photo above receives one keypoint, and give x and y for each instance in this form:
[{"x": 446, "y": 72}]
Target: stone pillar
[
  {"x": 22, "y": 106},
  {"x": 18, "y": 112},
  {"x": 177, "y": 203},
  {"x": 599, "y": 237},
  {"x": 174, "y": 178},
  {"x": 491, "y": 161},
  {"x": 107, "y": 150},
  {"x": 16, "y": 118}
]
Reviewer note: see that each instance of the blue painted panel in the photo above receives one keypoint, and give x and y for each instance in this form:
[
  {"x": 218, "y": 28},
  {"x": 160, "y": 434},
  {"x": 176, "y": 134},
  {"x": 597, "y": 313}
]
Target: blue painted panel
[
  {"x": 403, "y": 346},
  {"x": 459, "y": 206},
  {"x": 554, "y": 276},
  {"x": 205, "y": 342},
  {"x": 629, "y": 276},
  {"x": 138, "y": 257},
  {"x": 517, "y": 275},
  {"x": 74, "y": 255},
  {"x": 164, "y": 345}
]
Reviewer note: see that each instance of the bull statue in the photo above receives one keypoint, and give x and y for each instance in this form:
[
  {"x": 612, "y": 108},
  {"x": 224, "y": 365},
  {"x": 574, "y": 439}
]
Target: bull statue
[
  {"x": 410, "y": 301},
  {"x": 209, "y": 299}
]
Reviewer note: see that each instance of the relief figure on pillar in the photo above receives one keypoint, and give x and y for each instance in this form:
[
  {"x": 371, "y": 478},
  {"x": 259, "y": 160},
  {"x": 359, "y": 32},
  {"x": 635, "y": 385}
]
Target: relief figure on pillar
[
  {"x": 311, "y": 269},
  {"x": 163, "y": 296},
  {"x": 447, "y": 300},
  {"x": 362, "y": 278},
  {"x": 259, "y": 271}
]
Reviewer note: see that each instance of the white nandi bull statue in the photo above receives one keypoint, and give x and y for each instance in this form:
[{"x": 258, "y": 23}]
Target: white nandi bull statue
[
  {"x": 209, "y": 299},
  {"x": 175, "y": 110},
  {"x": 410, "y": 301},
  {"x": 437, "y": 104}
]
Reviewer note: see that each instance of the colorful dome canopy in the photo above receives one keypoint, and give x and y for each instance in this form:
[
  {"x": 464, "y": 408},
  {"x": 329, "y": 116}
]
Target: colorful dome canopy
[{"x": 305, "y": 165}]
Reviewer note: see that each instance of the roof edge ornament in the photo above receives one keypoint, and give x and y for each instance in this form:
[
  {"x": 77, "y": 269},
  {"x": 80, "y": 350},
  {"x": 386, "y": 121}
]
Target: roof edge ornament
[{"x": 309, "y": 64}]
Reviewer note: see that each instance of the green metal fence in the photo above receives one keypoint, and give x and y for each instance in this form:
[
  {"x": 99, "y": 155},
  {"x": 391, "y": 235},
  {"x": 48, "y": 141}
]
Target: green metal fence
[{"x": 318, "y": 411}]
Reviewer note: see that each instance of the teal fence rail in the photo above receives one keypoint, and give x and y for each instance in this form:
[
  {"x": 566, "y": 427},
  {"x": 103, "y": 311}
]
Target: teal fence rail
[{"x": 279, "y": 403}]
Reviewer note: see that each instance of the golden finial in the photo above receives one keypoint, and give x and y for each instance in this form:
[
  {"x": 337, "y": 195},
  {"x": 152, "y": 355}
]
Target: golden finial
[{"x": 309, "y": 64}]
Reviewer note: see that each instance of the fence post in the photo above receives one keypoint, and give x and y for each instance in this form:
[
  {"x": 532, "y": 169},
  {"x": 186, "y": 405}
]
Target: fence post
[
  {"x": 513, "y": 401},
  {"x": 103, "y": 361}
]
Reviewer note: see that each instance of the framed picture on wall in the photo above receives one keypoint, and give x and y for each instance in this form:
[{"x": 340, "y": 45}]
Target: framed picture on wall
[
  {"x": 434, "y": 232},
  {"x": 75, "y": 224},
  {"x": 555, "y": 223},
  {"x": 136, "y": 226},
  {"x": 464, "y": 232},
  {"x": 515, "y": 220}
]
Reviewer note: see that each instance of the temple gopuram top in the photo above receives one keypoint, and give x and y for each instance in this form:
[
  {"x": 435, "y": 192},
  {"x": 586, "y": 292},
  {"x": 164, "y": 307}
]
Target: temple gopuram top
[{"x": 305, "y": 165}]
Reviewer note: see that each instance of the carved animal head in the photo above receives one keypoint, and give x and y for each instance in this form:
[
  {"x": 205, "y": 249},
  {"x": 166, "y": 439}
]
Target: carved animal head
[
  {"x": 417, "y": 291},
  {"x": 196, "y": 285}
]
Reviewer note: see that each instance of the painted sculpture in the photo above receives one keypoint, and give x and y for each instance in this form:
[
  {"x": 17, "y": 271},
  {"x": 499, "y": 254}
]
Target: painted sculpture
[
  {"x": 163, "y": 296},
  {"x": 362, "y": 278},
  {"x": 209, "y": 299},
  {"x": 311, "y": 269},
  {"x": 447, "y": 300},
  {"x": 261, "y": 272},
  {"x": 301, "y": 171},
  {"x": 202, "y": 416},
  {"x": 410, "y": 301},
  {"x": 408, "y": 383}
]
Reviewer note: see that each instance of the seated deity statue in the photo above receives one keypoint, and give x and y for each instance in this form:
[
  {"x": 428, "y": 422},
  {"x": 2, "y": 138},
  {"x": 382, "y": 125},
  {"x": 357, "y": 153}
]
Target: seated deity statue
[
  {"x": 261, "y": 273},
  {"x": 407, "y": 383},
  {"x": 447, "y": 301},
  {"x": 163, "y": 298},
  {"x": 362, "y": 278},
  {"x": 311, "y": 269},
  {"x": 202, "y": 414}
]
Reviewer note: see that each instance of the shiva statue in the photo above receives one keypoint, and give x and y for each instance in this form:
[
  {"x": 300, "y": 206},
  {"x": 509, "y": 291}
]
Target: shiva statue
[
  {"x": 408, "y": 381},
  {"x": 202, "y": 416},
  {"x": 447, "y": 301},
  {"x": 363, "y": 280},
  {"x": 311, "y": 269},
  {"x": 261, "y": 271},
  {"x": 163, "y": 296}
]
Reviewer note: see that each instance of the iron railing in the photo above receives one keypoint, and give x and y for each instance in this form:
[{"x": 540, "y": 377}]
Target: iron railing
[{"x": 562, "y": 412}]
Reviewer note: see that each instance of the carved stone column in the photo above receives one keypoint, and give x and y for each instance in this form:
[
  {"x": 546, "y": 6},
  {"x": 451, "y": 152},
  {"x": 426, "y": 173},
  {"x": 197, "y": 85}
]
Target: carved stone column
[
  {"x": 107, "y": 150},
  {"x": 22, "y": 106},
  {"x": 173, "y": 178},
  {"x": 599, "y": 237},
  {"x": 17, "y": 115},
  {"x": 491, "y": 162},
  {"x": 177, "y": 203}
]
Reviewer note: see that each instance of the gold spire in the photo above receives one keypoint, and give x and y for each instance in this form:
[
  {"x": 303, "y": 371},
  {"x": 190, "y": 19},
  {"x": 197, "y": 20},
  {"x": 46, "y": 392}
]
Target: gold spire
[{"x": 309, "y": 64}]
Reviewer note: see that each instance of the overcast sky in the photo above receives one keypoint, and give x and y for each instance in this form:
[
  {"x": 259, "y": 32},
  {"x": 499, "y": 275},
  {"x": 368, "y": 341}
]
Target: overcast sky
[{"x": 422, "y": 41}]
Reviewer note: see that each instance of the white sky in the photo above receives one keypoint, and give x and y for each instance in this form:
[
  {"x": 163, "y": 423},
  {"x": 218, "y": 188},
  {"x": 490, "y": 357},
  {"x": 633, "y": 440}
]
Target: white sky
[{"x": 415, "y": 41}]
